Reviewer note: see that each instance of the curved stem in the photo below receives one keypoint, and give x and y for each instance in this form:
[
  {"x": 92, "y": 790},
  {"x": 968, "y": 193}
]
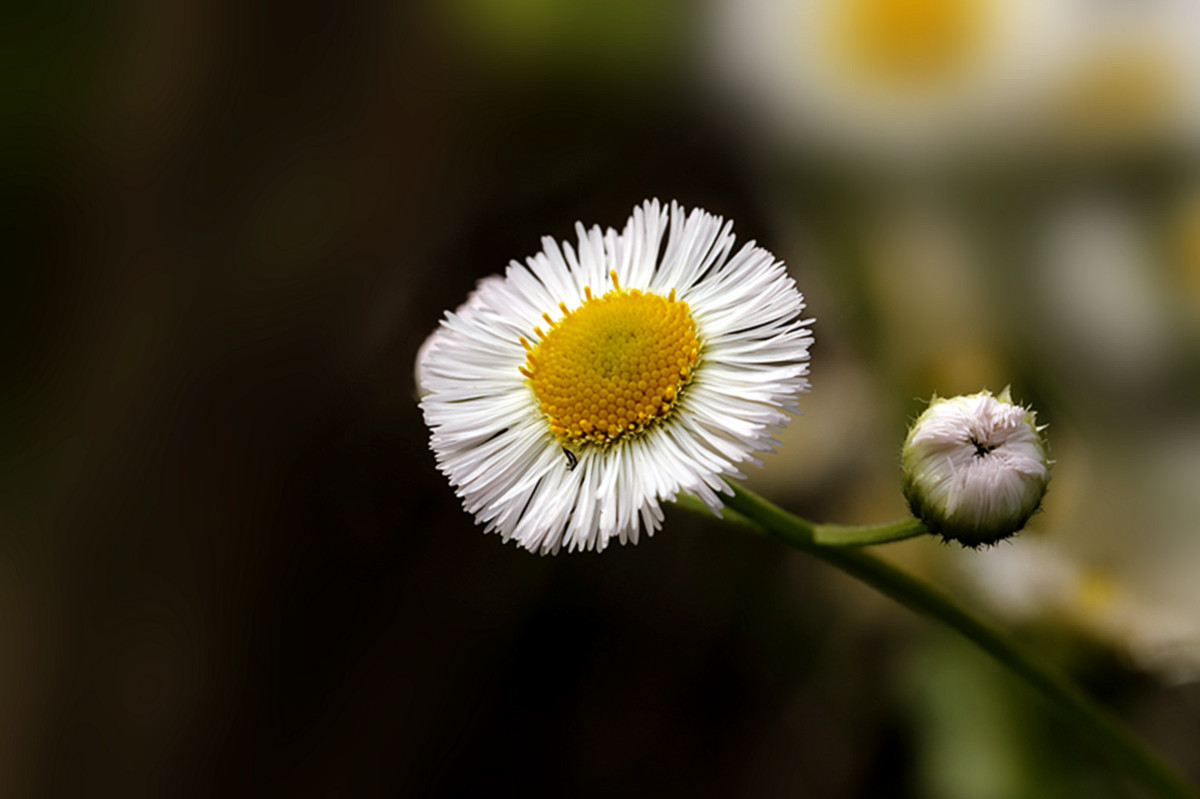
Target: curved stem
[
  {"x": 861, "y": 535},
  {"x": 827, "y": 535},
  {"x": 1105, "y": 732}
]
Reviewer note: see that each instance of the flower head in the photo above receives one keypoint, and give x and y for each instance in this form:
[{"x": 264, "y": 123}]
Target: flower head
[
  {"x": 571, "y": 397},
  {"x": 975, "y": 467},
  {"x": 897, "y": 79}
]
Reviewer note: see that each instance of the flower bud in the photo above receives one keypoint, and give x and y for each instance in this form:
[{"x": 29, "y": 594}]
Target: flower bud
[{"x": 975, "y": 467}]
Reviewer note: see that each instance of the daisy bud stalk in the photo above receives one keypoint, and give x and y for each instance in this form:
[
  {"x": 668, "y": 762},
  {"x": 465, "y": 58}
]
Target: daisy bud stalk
[{"x": 975, "y": 467}]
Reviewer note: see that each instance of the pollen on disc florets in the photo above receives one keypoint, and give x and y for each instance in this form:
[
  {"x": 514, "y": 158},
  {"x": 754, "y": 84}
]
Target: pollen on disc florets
[{"x": 614, "y": 365}]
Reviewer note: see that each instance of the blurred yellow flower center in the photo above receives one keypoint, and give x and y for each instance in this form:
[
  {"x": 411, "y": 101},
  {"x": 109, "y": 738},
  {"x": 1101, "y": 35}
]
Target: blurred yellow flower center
[
  {"x": 1120, "y": 94},
  {"x": 1095, "y": 590},
  {"x": 908, "y": 44},
  {"x": 1187, "y": 248},
  {"x": 612, "y": 366}
]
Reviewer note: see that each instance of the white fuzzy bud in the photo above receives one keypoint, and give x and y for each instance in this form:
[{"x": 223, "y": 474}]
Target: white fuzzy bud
[{"x": 975, "y": 467}]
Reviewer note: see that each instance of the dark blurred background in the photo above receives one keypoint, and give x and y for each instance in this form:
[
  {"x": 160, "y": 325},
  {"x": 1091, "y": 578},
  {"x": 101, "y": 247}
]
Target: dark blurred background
[{"x": 228, "y": 565}]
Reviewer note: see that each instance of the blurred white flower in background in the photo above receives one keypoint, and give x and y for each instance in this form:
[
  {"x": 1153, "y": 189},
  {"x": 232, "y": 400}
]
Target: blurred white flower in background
[
  {"x": 1132, "y": 79},
  {"x": 1102, "y": 295},
  {"x": 1040, "y": 580},
  {"x": 893, "y": 78}
]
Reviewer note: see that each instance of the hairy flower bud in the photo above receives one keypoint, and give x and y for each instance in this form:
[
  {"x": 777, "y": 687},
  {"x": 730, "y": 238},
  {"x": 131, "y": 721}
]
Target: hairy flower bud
[{"x": 975, "y": 467}]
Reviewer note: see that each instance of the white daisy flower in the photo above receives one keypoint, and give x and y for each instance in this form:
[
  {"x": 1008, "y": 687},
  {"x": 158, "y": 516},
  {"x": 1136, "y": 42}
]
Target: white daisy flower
[
  {"x": 570, "y": 398},
  {"x": 975, "y": 467},
  {"x": 464, "y": 311}
]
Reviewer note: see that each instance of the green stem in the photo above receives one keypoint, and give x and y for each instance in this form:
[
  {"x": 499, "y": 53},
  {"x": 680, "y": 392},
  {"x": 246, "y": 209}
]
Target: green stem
[
  {"x": 861, "y": 535},
  {"x": 1105, "y": 732},
  {"x": 827, "y": 535}
]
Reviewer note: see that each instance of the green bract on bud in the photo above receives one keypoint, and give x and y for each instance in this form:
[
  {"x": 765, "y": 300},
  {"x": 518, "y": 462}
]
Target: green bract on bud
[{"x": 975, "y": 467}]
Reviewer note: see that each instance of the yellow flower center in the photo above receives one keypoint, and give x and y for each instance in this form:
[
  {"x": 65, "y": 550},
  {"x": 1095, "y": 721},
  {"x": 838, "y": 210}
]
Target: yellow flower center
[
  {"x": 908, "y": 44},
  {"x": 1119, "y": 96},
  {"x": 1186, "y": 246},
  {"x": 614, "y": 365}
]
